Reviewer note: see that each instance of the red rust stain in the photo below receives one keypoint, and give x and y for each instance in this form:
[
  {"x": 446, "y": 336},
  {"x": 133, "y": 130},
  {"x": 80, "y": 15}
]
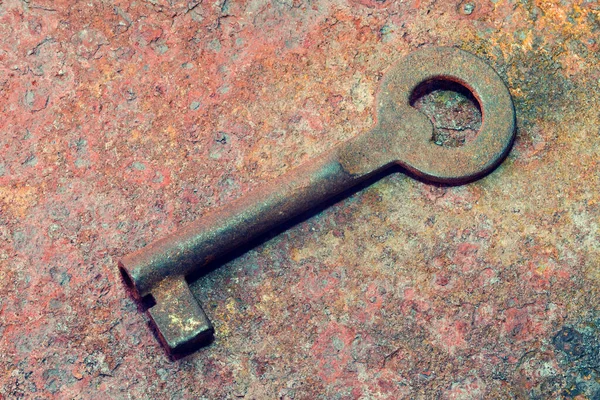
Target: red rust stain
[
  {"x": 451, "y": 334},
  {"x": 332, "y": 349}
]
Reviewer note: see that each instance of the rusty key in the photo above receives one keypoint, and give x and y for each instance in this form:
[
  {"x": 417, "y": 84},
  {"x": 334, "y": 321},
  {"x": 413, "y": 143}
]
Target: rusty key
[{"x": 402, "y": 135}]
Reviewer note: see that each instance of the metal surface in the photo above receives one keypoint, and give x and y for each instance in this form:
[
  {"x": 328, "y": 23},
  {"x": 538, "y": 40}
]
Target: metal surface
[
  {"x": 401, "y": 136},
  {"x": 125, "y": 121}
]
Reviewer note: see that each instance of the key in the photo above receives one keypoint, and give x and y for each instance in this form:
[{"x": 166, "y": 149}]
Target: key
[{"x": 402, "y": 135}]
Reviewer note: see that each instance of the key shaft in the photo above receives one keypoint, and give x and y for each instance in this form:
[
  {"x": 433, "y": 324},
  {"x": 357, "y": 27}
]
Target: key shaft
[{"x": 268, "y": 206}]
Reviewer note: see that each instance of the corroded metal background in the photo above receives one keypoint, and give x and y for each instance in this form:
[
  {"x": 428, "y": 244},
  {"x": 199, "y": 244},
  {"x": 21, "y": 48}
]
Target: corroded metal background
[{"x": 123, "y": 121}]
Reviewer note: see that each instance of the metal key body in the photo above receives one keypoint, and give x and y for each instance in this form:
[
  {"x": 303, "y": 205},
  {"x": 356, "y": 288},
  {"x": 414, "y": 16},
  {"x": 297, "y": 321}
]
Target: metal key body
[{"x": 402, "y": 136}]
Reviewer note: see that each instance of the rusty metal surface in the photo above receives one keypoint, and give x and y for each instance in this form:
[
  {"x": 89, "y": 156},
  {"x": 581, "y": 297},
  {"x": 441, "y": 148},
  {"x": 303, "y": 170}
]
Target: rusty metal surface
[
  {"x": 124, "y": 121},
  {"x": 402, "y": 136}
]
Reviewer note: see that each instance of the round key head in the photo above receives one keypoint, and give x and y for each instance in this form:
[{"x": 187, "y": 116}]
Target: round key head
[{"x": 408, "y": 134}]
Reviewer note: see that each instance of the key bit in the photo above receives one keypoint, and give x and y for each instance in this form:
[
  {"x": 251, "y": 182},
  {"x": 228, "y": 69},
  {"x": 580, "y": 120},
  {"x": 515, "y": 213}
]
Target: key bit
[{"x": 402, "y": 135}]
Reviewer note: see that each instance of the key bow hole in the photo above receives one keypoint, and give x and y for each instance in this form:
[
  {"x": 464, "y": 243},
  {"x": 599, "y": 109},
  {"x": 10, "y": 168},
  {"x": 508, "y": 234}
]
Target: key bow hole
[{"x": 452, "y": 109}]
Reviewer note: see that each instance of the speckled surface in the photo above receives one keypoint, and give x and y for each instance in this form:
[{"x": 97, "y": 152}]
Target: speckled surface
[{"x": 122, "y": 121}]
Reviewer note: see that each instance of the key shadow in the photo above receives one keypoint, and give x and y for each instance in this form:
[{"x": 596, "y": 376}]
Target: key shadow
[{"x": 305, "y": 216}]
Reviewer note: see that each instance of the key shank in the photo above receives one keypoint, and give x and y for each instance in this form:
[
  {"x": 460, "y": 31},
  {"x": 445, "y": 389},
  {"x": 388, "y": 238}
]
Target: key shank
[{"x": 221, "y": 231}]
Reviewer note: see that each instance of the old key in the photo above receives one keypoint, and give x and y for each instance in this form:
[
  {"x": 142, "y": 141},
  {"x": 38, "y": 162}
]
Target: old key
[{"x": 402, "y": 135}]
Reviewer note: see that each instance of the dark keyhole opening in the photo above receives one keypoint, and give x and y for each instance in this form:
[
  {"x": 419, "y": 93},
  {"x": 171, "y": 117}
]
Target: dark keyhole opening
[{"x": 453, "y": 110}]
